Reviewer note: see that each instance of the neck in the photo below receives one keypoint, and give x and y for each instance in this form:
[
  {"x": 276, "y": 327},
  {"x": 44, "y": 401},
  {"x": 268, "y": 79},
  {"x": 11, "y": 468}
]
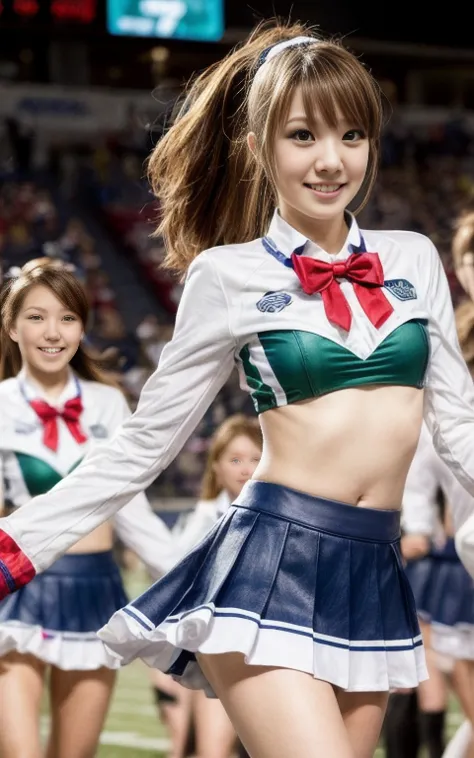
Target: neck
[
  {"x": 51, "y": 385},
  {"x": 329, "y": 234}
]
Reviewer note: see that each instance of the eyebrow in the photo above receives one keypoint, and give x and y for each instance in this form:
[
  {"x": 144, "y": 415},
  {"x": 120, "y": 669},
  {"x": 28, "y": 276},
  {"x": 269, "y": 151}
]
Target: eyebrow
[
  {"x": 45, "y": 310},
  {"x": 303, "y": 117}
]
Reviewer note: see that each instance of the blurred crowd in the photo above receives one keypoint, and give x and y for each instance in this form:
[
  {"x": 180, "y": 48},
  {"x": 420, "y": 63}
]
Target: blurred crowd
[{"x": 426, "y": 179}]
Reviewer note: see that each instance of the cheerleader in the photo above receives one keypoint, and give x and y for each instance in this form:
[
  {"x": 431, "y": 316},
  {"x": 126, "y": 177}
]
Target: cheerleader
[
  {"x": 463, "y": 259},
  {"x": 294, "y": 609},
  {"x": 54, "y": 405},
  {"x": 234, "y": 454},
  {"x": 444, "y": 591},
  {"x": 416, "y": 719}
]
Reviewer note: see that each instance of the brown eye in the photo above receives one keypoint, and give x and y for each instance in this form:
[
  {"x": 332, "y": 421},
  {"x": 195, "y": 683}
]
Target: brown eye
[
  {"x": 354, "y": 135},
  {"x": 302, "y": 135}
]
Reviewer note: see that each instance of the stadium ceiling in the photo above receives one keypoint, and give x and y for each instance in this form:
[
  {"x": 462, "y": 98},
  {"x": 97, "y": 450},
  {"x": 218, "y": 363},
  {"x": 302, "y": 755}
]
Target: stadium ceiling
[{"x": 403, "y": 21}]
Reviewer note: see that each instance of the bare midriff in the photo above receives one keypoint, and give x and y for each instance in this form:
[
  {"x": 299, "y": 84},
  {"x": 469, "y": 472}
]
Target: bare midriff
[{"x": 354, "y": 445}]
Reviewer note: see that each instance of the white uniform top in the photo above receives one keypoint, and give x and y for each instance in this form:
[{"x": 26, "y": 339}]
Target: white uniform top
[
  {"x": 21, "y": 442},
  {"x": 190, "y": 530},
  {"x": 425, "y": 477},
  {"x": 218, "y": 315},
  {"x": 427, "y": 474}
]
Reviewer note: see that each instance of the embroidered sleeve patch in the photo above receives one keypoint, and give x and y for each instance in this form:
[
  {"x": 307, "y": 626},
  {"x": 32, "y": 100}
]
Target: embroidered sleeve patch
[
  {"x": 402, "y": 289},
  {"x": 273, "y": 302}
]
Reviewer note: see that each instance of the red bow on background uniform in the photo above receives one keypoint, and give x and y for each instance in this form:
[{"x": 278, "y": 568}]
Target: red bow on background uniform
[
  {"x": 365, "y": 272},
  {"x": 71, "y": 414}
]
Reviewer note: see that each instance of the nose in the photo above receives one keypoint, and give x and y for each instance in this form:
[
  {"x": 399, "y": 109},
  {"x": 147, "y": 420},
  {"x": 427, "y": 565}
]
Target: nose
[
  {"x": 328, "y": 158},
  {"x": 246, "y": 470},
  {"x": 51, "y": 330}
]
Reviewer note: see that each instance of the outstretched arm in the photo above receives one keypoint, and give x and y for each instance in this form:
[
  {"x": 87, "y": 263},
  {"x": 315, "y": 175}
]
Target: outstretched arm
[{"x": 192, "y": 369}]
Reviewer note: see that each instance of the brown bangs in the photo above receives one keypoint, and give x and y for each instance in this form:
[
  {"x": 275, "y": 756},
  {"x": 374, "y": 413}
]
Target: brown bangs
[
  {"x": 332, "y": 87},
  {"x": 333, "y": 83}
]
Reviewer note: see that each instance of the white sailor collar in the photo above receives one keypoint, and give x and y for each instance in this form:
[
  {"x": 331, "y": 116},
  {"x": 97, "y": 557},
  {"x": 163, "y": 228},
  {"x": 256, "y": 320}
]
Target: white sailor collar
[
  {"x": 32, "y": 391},
  {"x": 288, "y": 240}
]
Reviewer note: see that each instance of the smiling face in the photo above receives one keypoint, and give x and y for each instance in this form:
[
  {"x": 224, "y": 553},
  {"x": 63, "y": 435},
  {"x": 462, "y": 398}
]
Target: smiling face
[
  {"x": 47, "y": 332},
  {"x": 314, "y": 120},
  {"x": 318, "y": 168}
]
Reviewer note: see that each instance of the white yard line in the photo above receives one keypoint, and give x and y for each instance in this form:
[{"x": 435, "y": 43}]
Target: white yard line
[
  {"x": 131, "y": 739},
  {"x": 123, "y": 739}
]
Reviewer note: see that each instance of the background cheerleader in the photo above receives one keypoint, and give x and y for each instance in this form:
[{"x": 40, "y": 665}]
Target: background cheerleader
[
  {"x": 234, "y": 453},
  {"x": 53, "y": 405},
  {"x": 443, "y": 589}
]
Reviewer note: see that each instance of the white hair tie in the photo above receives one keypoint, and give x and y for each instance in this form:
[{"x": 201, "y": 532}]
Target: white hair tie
[
  {"x": 273, "y": 50},
  {"x": 13, "y": 272}
]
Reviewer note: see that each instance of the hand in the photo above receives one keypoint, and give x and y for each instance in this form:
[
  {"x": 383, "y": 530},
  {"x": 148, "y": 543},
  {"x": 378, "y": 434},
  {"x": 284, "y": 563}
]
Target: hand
[{"x": 414, "y": 546}]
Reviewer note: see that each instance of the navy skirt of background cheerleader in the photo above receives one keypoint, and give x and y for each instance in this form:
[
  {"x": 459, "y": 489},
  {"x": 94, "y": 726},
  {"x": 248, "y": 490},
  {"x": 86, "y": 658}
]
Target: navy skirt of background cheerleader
[
  {"x": 56, "y": 616},
  {"x": 288, "y": 580},
  {"x": 444, "y": 597}
]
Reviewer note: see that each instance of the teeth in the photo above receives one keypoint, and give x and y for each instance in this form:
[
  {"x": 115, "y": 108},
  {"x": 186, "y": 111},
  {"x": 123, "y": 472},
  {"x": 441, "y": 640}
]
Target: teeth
[
  {"x": 325, "y": 187},
  {"x": 51, "y": 349}
]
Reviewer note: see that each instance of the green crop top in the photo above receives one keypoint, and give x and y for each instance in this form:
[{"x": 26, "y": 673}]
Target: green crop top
[
  {"x": 39, "y": 476},
  {"x": 298, "y": 365}
]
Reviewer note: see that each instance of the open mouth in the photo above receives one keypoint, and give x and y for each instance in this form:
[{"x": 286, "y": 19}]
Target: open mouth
[
  {"x": 51, "y": 350},
  {"x": 324, "y": 189}
]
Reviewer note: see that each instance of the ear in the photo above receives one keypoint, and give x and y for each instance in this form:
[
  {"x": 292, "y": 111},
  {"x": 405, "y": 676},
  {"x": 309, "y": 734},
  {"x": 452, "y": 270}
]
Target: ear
[
  {"x": 252, "y": 143},
  {"x": 13, "y": 334}
]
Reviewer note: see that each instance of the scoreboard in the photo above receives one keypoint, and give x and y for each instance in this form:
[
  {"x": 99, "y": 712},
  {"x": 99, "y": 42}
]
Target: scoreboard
[{"x": 200, "y": 20}]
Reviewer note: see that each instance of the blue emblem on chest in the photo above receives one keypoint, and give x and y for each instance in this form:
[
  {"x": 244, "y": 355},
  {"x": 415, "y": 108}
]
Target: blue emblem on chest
[
  {"x": 402, "y": 289},
  {"x": 98, "y": 431},
  {"x": 23, "y": 427},
  {"x": 273, "y": 302}
]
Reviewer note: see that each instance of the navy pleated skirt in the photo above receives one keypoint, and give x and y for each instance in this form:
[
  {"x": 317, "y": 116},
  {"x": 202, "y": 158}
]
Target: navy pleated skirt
[
  {"x": 288, "y": 580},
  {"x": 57, "y": 615},
  {"x": 444, "y": 597}
]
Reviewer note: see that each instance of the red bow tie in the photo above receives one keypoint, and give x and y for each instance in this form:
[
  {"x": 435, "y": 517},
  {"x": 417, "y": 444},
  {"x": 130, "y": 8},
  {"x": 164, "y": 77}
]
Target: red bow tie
[
  {"x": 364, "y": 270},
  {"x": 71, "y": 413}
]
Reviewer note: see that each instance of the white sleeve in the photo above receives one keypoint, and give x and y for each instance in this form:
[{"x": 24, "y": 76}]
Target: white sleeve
[
  {"x": 147, "y": 535},
  {"x": 199, "y": 522},
  {"x": 419, "y": 506},
  {"x": 192, "y": 369},
  {"x": 449, "y": 389},
  {"x": 138, "y": 526}
]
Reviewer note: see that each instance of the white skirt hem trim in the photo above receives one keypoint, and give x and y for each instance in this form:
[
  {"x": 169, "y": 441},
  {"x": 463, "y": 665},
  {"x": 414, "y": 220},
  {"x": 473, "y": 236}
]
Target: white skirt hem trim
[
  {"x": 454, "y": 641},
  {"x": 354, "y": 666},
  {"x": 68, "y": 651}
]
